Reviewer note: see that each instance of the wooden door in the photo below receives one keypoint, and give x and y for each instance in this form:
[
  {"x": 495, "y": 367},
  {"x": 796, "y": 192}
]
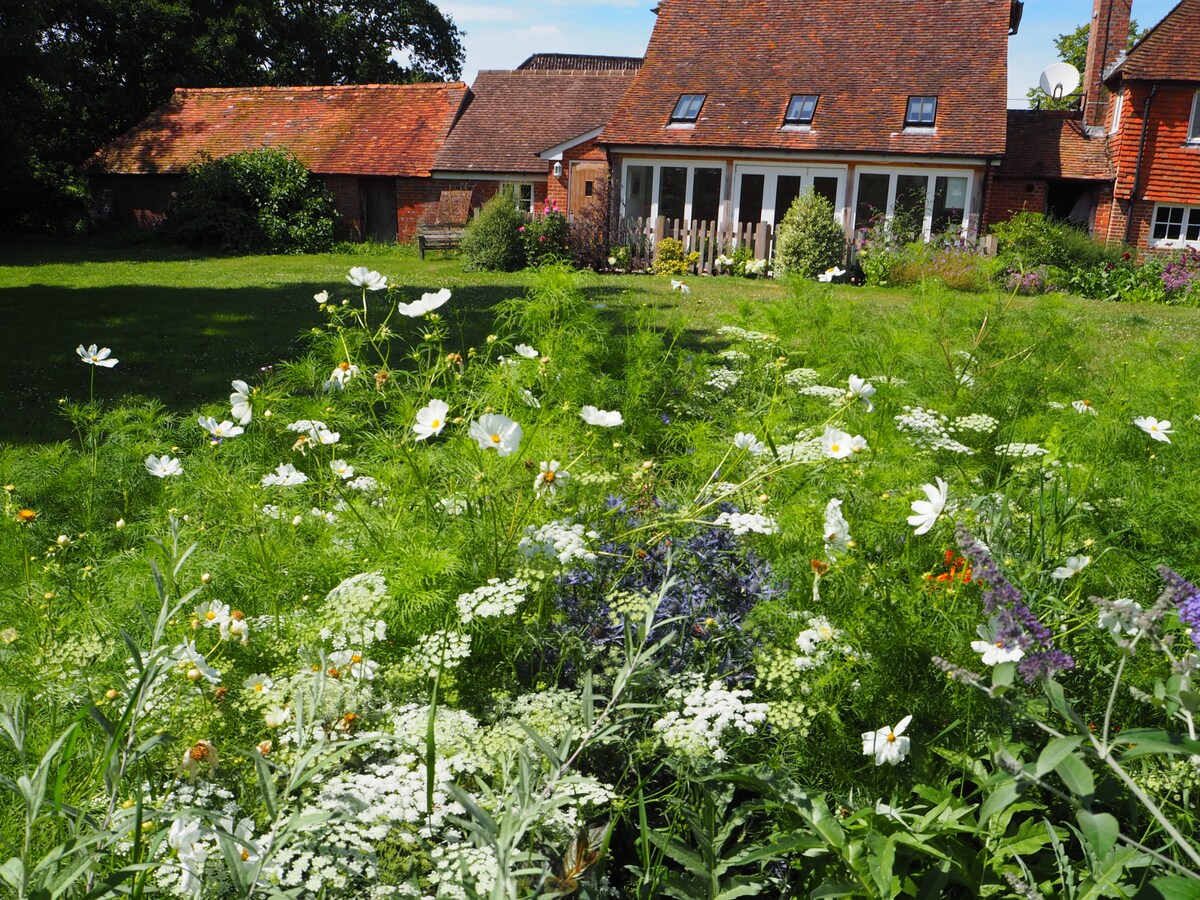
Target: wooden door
[
  {"x": 584, "y": 185},
  {"x": 379, "y": 209}
]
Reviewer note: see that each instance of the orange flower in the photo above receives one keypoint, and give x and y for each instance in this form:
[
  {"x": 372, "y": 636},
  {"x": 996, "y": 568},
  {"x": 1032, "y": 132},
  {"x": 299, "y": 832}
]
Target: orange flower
[{"x": 25, "y": 516}]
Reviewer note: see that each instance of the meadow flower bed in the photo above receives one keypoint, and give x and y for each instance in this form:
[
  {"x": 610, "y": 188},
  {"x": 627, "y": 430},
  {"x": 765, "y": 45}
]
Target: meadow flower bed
[{"x": 842, "y": 608}]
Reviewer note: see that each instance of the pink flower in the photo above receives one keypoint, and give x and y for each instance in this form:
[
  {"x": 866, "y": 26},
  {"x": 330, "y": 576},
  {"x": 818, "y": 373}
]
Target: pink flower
[
  {"x": 521, "y": 229},
  {"x": 546, "y": 211},
  {"x": 541, "y": 237}
]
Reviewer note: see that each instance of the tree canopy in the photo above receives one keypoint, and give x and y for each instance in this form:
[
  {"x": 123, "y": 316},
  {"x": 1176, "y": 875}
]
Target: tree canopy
[
  {"x": 1072, "y": 48},
  {"x": 79, "y": 72}
]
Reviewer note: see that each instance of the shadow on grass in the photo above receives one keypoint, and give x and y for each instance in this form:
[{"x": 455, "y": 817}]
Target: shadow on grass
[{"x": 181, "y": 346}]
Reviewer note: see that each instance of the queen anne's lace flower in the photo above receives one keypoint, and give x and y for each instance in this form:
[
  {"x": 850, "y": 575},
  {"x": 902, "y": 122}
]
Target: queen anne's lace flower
[
  {"x": 558, "y": 540},
  {"x": 492, "y": 600},
  {"x": 744, "y": 523},
  {"x": 706, "y": 715}
]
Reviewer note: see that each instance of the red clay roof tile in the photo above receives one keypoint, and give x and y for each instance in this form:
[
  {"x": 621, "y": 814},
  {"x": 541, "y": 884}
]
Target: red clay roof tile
[
  {"x": 1170, "y": 51},
  {"x": 378, "y": 129},
  {"x": 863, "y": 59},
  {"x": 512, "y": 116},
  {"x": 1051, "y": 145}
]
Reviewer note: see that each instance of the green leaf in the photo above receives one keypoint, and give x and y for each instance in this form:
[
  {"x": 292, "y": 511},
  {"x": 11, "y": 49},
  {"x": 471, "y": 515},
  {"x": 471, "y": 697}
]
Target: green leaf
[
  {"x": 885, "y": 860},
  {"x": 1054, "y": 753},
  {"x": 998, "y": 800},
  {"x": 1190, "y": 701},
  {"x": 13, "y": 872},
  {"x": 1003, "y": 674},
  {"x": 834, "y": 889},
  {"x": 680, "y": 852},
  {"x": 1176, "y": 887},
  {"x": 1144, "y": 741},
  {"x": 1101, "y": 831},
  {"x": 1077, "y": 777}
]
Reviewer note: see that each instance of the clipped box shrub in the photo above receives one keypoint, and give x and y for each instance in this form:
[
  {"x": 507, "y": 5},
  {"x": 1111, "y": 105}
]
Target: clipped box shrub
[
  {"x": 672, "y": 258},
  {"x": 493, "y": 240},
  {"x": 809, "y": 240}
]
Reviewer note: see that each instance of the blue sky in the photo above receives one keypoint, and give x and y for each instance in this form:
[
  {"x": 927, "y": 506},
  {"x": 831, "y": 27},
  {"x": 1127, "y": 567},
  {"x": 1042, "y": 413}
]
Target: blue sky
[{"x": 501, "y": 35}]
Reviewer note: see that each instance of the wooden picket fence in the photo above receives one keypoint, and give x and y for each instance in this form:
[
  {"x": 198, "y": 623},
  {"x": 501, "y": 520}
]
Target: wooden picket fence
[{"x": 710, "y": 239}]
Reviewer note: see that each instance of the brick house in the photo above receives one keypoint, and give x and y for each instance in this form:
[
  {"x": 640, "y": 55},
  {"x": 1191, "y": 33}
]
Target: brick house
[
  {"x": 536, "y": 128},
  {"x": 896, "y": 107},
  {"x": 1126, "y": 164},
  {"x": 372, "y": 145},
  {"x": 1151, "y": 111}
]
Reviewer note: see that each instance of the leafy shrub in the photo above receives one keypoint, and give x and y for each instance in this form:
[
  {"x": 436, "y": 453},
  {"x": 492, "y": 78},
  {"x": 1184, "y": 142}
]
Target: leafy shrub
[
  {"x": 1181, "y": 277},
  {"x": 1029, "y": 240},
  {"x": 810, "y": 240},
  {"x": 493, "y": 241},
  {"x": 671, "y": 258},
  {"x": 592, "y": 229},
  {"x": 545, "y": 237},
  {"x": 256, "y": 201}
]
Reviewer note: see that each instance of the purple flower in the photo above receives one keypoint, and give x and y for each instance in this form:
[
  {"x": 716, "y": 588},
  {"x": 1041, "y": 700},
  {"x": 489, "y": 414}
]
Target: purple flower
[
  {"x": 1186, "y": 597},
  {"x": 1018, "y": 626}
]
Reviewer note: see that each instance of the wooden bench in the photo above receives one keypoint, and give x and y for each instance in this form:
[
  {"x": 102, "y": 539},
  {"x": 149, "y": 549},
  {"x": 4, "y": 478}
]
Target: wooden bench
[{"x": 439, "y": 238}]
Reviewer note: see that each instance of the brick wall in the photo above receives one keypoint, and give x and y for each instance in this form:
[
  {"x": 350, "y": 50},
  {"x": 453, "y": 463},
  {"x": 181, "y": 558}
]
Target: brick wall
[
  {"x": 416, "y": 205},
  {"x": 558, "y": 188},
  {"x": 1008, "y": 196},
  {"x": 140, "y": 201},
  {"x": 347, "y": 203}
]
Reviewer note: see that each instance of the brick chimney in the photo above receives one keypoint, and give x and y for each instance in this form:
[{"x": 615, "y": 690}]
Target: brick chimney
[{"x": 1107, "y": 37}]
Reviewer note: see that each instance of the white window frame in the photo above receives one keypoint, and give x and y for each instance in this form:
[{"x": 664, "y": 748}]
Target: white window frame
[
  {"x": 932, "y": 175},
  {"x": 1194, "y": 124},
  {"x": 1118, "y": 105},
  {"x": 521, "y": 203},
  {"x": 658, "y": 165},
  {"x": 771, "y": 175},
  {"x": 1191, "y": 214}
]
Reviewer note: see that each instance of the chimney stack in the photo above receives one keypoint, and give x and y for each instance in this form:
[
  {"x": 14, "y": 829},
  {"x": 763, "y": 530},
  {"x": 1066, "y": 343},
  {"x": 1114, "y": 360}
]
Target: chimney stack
[{"x": 1107, "y": 38}]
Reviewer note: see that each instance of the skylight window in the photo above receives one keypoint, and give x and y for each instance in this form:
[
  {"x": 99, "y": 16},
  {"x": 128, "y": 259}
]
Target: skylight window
[
  {"x": 688, "y": 108},
  {"x": 801, "y": 109},
  {"x": 922, "y": 112}
]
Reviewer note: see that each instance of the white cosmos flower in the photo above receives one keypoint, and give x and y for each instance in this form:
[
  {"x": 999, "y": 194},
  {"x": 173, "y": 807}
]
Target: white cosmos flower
[
  {"x": 427, "y": 304},
  {"x": 886, "y": 744},
  {"x": 863, "y": 390},
  {"x": 277, "y": 716},
  {"x": 94, "y": 356},
  {"x": 838, "y": 444},
  {"x": 341, "y": 373},
  {"x": 680, "y": 286},
  {"x": 992, "y": 649},
  {"x": 829, "y": 274},
  {"x": 1156, "y": 429},
  {"x": 285, "y": 476},
  {"x": 431, "y": 419},
  {"x": 342, "y": 469},
  {"x": 191, "y": 659},
  {"x": 837, "y": 530},
  {"x": 495, "y": 432},
  {"x": 526, "y": 351},
  {"x": 1120, "y": 617},
  {"x": 549, "y": 478},
  {"x": 219, "y": 430},
  {"x": 1073, "y": 566},
  {"x": 530, "y": 400},
  {"x": 926, "y": 512},
  {"x": 322, "y": 297},
  {"x": 240, "y": 400},
  {"x": 355, "y": 663},
  {"x": 259, "y": 684},
  {"x": 1084, "y": 406},
  {"x": 214, "y": 612},
  {"x": 163, "y": 466},
  {"x": 602, "y": 417},
  {"x": 361, "y": 276},
  {"x": 750, "y": 443}
]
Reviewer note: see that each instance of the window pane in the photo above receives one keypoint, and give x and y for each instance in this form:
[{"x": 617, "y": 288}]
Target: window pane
[
  {"x": 706, "y": 195},
  {"x": 1194, "y": 131},
  {"x": 787, "y": 189},
  {"x": 921, "y": 111},
  {"x": 688, "y": 108},
  {"x": 1193, "y": 226},
  {"x": 751, "y": 199},
  {"x": 672, "y": 188},
  {"x": 949, "y": 204},
  {"x": 801, "y": 109},
  {"x": 639, "y": 183},
  {"x": 525, "y": 197},
  {"x": 872, "y": 199},
  {"x": 908, "y": 218},
  {"x": 827, "y": 187},
  {"x": 1168, "y": 223}
]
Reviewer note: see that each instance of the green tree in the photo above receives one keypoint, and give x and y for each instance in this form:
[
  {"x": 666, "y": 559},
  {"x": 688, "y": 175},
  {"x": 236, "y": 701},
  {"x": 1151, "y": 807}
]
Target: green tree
[
  {"x": 1072, "y": 48},
  {"x": 79, "y": 72}
]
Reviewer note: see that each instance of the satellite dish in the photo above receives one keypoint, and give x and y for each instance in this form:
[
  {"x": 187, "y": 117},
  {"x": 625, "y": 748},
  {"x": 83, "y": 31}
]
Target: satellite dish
[{"x": 1060, "y": 80}]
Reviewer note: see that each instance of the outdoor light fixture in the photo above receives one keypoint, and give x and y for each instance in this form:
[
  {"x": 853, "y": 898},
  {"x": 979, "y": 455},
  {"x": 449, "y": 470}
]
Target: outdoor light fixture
[{"x": 558, "y": 170}]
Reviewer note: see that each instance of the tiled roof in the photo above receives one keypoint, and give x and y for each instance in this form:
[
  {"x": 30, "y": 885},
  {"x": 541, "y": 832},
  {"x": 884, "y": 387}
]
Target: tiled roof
[
  {"x": 863, "y": 59},
  {"x": 1054, "y": 144},
  {"x": 511, "y": 116},
  {"x": 574, "y": 62},
  {"x": 1170, "y": 51},
  {"x": 379, "y": 129}
]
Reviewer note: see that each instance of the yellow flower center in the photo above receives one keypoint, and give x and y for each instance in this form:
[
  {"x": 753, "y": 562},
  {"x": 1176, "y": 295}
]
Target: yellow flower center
[
  {"x": 891, "y": 738},
  {"x": 436, "y": 423},
  {"x": 345, "y": 366},
  {"x": 258, "y": 688},
  {"x": 495, "y": 438},
  {"x": 245, "y": 856},
  {"x": 835, "y": 448},
  {"x": 210, "y": 615},
  {"x": 355, "y": 658},
  {"x": 548, "y": 477},
  {"x": 1000, "y": 644}
]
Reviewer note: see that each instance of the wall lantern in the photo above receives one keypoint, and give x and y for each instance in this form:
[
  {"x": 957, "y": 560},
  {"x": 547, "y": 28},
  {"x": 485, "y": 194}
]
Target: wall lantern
[{"x": 558, "y": 170}]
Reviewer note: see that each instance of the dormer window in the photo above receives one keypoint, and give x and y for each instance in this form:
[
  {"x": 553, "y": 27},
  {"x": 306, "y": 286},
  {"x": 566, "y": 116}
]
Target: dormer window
[
  {"x": 801, "y": 109},
  {"x": 921, "y": 113},
  {"x": 687, "y": 110},
  {"x": 1194, "y": 125}
]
